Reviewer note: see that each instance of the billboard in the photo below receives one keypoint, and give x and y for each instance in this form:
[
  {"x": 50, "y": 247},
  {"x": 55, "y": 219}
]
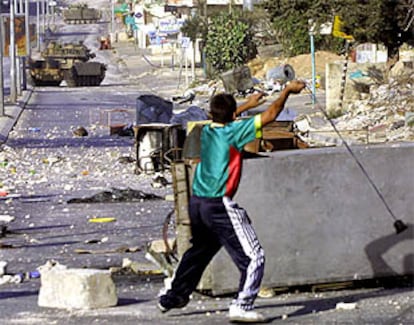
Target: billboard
[{"x": 19, "y": 34}]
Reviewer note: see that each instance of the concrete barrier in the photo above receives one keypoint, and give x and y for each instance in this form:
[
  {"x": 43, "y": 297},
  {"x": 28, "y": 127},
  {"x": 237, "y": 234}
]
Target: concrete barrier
[
  {"x": 319, "y": 219},
  {"x": 77, "y": 289}
]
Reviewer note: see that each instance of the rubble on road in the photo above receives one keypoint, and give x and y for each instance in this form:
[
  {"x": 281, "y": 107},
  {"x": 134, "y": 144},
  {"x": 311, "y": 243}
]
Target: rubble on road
[
  {"x": 117, "y": 195},
  {"x": 385, "y": 115}
]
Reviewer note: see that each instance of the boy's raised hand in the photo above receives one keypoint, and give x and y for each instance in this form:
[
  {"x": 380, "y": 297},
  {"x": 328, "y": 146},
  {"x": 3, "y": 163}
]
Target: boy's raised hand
[
  {"x": 295, "y": 86},
  {"x": 255, "y": 99}
]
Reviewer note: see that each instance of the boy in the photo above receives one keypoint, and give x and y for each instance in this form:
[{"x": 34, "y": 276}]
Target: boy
[{"x": 216, "y": 220}]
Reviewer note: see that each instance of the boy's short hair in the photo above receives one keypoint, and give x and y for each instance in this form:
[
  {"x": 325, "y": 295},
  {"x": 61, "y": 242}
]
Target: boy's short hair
[{"x": 222, "y": 108}]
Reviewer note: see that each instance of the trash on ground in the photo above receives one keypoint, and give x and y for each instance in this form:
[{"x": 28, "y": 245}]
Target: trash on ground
[
  {"x": 266, "y": 293},
  {"x": 102, "y": 220},
  {"x": 139, "y": 267},
  {"x": 6, "y": 218},
  {"x": 158, "y": 253},
  {"x": 80, "y": 132},
  {"x": 117, "y": 195},
  {"x": 122, "y": 249},
  {"x": 346, "y": 306}
]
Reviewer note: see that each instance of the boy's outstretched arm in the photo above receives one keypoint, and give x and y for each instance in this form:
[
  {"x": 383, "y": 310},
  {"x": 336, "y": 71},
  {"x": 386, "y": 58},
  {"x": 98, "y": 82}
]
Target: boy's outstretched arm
[
  {"x": 269, "y": 115},
  {"x": 253, "y": 101}
]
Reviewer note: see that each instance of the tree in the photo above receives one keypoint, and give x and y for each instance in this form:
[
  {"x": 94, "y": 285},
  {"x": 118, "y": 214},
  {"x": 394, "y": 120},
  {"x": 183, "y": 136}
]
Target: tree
[
  {"x": 379, "y": 21},
  {"x": 291, "y": 21},
  {"x": 376, "y": 21}
]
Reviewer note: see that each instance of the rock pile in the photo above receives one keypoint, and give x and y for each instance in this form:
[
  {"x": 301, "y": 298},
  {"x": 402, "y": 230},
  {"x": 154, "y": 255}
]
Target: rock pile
[{"x": 386, "y": 114}]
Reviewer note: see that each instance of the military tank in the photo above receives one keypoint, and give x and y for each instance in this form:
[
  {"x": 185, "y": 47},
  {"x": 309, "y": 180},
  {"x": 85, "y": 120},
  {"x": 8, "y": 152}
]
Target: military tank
[
  {"x": 73, "y": 63},
  {"x": 45, "y": 73},
  {"x": 80, "y": 13}
]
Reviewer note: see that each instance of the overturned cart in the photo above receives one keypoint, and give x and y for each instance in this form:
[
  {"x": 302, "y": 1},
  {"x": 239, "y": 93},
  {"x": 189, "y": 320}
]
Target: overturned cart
[{"x": 317, "y": 218}]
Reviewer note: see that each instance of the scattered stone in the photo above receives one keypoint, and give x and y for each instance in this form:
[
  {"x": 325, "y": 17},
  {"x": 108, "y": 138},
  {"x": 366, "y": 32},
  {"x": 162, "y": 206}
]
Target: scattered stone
[
  {"x": 6, "y": 218},
  {"x": 346, "y": 306},
  {"x": 80, "y": 132},
  {"x": 266, "y": 293},
  {"x": 3, "y": 267}
]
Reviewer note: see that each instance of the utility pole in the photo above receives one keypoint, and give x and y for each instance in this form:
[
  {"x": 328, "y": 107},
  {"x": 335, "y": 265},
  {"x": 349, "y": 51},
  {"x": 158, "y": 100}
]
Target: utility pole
[
  {"x": 112, "y": 17},
  {"x": 38, "y": 25},
  {"x": 312, "y": 46},
  {"x": 12, "y": 51},
  {"x": 26, "y": 27},
  {"x": 2, "y": 113},
  {"x": 43, "y": 18}
]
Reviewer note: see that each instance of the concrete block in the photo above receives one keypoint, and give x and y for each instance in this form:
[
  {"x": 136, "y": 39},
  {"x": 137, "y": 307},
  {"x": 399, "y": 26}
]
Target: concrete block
[
  {"x": 319, "y": 220},
  {"x": 77, "y": 289}
]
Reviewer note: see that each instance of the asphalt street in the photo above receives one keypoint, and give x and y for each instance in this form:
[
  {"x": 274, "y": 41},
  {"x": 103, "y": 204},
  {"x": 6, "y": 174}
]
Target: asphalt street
[{"x": 48, "y": 167}]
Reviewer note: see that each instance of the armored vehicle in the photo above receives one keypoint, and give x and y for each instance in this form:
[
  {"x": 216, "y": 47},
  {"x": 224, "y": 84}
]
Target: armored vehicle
[
  {"x": 73, "y": 65},
  {"x": 80, "y": 13},
  {"x": 45, "y": 72}
]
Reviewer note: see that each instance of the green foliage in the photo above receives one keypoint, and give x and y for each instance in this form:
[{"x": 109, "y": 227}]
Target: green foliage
[
  {"x": 195, "y": 27},
  {"x": 376, "y": 21},
  {"x": 229, "y": 41},
  {"x": 291, "y": 23}
]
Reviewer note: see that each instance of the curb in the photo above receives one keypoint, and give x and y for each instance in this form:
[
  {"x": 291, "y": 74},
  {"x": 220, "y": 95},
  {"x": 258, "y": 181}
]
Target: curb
[{"x": 8, "y": 121}]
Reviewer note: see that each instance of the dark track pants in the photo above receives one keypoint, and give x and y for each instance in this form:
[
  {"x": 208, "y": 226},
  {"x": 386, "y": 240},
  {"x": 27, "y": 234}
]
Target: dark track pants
[{"x": 217, "y": 222}]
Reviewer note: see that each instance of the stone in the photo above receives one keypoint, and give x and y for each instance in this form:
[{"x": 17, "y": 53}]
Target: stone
[{"x": 77, "y": 289}]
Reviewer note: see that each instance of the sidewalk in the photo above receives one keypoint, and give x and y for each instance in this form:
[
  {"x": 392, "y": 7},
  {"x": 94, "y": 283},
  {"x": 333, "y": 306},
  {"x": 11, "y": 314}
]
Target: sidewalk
[{"x": 12, "y": 113}]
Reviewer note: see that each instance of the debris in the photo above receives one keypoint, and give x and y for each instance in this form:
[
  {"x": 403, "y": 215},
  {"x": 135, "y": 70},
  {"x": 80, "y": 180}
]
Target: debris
[
  {"x": 188, "y": 96},
  {"x": 80, "y": 132},
  {"x": 8, "y": 246},
  {"x": 76, "y": 289},
  {"x": 117, "y": 195},
  {"x": 126, "y": 160},
  {"x": 122, "y": 249},
  {"x": 6, "y": 218},
  {"x": 153, "y": 109},
  {"x": 3, "y": 267},
  {"x": 7, "y": 278},
  {"x": 159, "y": 181},
  {"x": 33, "y": 129},
  {"x": 102, "y": 220},
  {"x": 169, "y": 197},
  {"x": 158, "y": 253},
  {"x": 140, "y": 268},
  {"x": 193, "y": 113},
  {"x": 384, "y": 116},
  {"x": 266, "y": 293},
  {"x": 346, "y": 306},
  {"x": 282, "y": 73}
]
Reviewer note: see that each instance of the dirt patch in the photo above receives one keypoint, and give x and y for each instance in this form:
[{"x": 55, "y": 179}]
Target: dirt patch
[{"x": 302, "y": 64}]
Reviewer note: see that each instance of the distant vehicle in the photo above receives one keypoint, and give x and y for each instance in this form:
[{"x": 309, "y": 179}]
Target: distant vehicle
[
  {"x": 81, "y": 14},
  {"x": 45, "y": 73},
  {"x": 69, "y": 62}
]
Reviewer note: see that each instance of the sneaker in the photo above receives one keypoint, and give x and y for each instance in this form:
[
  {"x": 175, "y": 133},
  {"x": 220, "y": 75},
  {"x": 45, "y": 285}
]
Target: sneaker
[
  {"x": 167, "y": 302},
  {"x": 238, "y": 315}
]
